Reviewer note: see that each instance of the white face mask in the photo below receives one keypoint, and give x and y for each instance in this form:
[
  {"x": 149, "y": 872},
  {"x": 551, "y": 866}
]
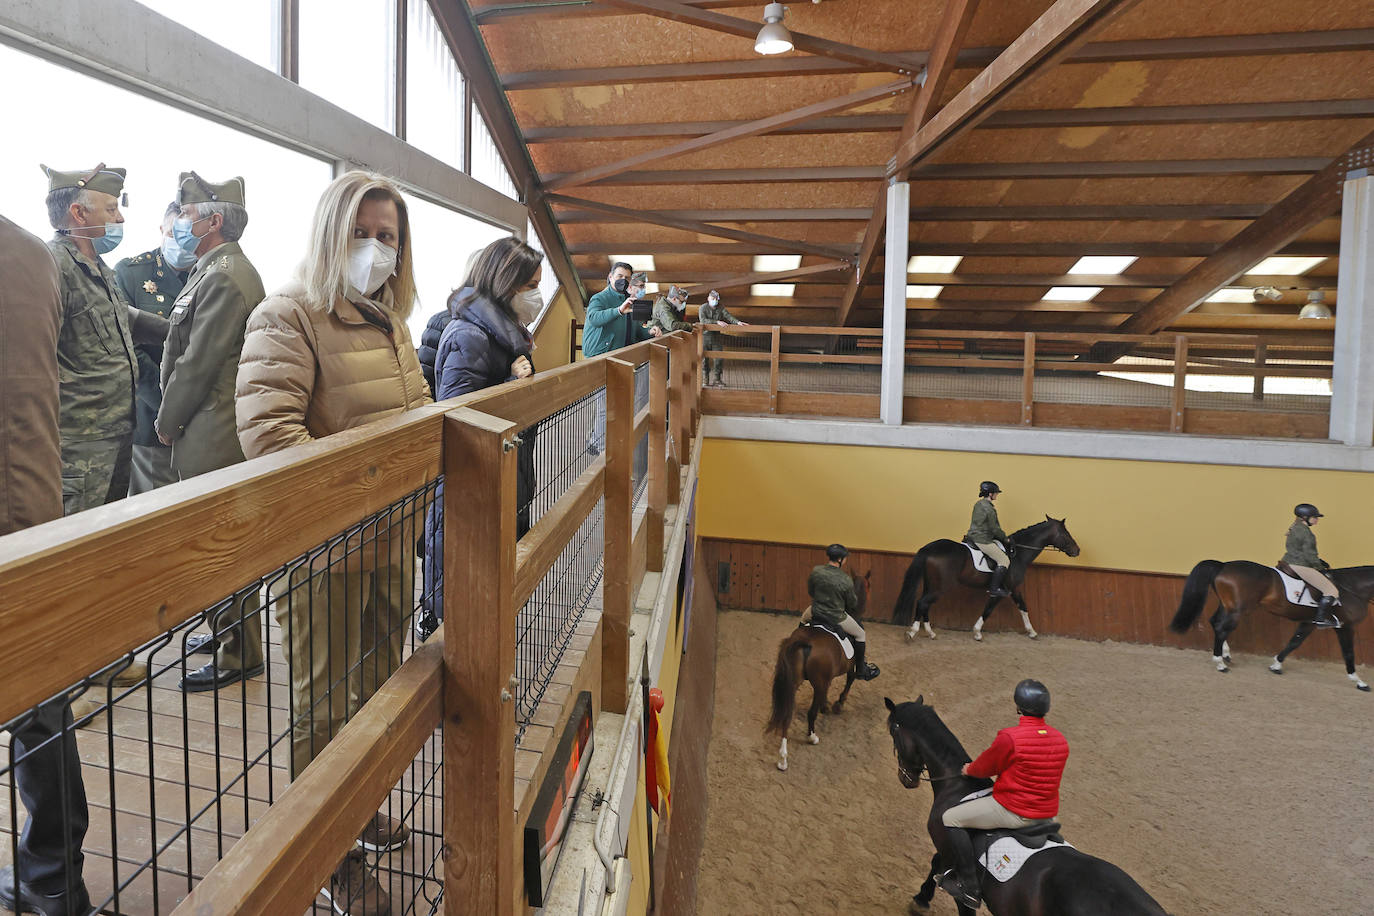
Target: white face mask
[
  {"x": 528, "y": 305},
  {"x": 370, "y": 262}
]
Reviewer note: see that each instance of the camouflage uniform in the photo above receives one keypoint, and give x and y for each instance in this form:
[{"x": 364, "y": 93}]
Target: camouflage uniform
[
  {"x": 668, "y": 318},
  {"x": 151, "y": 284},
  {"x": 708, "y": 315}
]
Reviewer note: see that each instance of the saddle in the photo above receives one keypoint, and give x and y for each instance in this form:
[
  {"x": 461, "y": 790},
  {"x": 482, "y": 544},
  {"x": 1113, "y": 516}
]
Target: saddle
[
  {"x": 1296, "y": 590},
  {"x": 845, "y": 643},
  {"x": 980, "y": 559},
  {"x": 1002, "y": 852}
]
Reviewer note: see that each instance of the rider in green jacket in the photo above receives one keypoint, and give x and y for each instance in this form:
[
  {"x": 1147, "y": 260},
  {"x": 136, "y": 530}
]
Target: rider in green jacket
[
  {"x": 834, "y": 602},
  {"x": 1300, "y": 554},
  {"x": 985, "y": 532}
]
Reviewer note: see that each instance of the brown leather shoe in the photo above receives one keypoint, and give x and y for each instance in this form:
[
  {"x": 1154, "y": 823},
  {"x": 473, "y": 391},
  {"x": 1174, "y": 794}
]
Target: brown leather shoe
[
  {"x": 383, "y": 834},
  {"x": 86, "y": 711},
  {"x": 134, "y": 674},
  {"x": 354, "y": 891}
]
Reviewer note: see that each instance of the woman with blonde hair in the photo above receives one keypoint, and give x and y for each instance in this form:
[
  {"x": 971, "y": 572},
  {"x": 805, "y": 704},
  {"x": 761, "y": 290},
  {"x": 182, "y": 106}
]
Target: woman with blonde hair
[{"x": 327, "y": 352}]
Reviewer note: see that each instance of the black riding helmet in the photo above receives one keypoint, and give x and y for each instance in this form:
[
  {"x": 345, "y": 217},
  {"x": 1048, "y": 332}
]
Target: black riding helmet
[
  {"x": 1306, "y": 510},
  {"x": 1032, "y": 698},
  {"x": 836, "y": 552},
  {"x": 987, "y": 487}
]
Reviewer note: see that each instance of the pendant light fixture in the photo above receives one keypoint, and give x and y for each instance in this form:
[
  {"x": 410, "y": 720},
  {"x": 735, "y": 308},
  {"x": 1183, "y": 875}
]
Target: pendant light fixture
[{"x": 773, "y": 37}]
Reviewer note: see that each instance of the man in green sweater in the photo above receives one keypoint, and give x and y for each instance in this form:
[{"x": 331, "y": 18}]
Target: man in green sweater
[
  {"x": 985, "y": 532},
  {"x": 834, "y": 602},
  {"x": 610, "y": 326},
  {"x": 1300, "y": 554}
]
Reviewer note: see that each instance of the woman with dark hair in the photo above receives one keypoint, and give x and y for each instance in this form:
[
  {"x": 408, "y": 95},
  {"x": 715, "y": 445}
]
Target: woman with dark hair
[{"x": 484, "y": 345}]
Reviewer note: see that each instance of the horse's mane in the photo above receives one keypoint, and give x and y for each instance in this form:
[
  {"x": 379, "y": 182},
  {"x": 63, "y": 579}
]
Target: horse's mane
[
  {"x": 1036, "y": 527},
  {"x": 919, "y": 717}
]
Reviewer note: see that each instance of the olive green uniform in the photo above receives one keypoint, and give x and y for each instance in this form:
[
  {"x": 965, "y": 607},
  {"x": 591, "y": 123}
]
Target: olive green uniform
[
  {"x": 667, "y": 318},
  {"x": 710, "y": 314},
  {"x": 152, "y": 285},
  {"x": 97, "y": 373},
  {"x": 833, "y": 600},
  {"x": 984, "y": 531},
  {"x": 1300, "y": 554}
]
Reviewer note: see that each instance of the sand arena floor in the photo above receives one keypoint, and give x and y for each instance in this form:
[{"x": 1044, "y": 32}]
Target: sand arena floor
[{"x": 1239, "y": 793}]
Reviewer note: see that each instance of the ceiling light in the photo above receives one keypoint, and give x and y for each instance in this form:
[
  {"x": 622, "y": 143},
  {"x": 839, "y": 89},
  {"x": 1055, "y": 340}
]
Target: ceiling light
[
  {"x": 1316, "y": 306},
  {"x": 765, "y": 263},
  {"x": 933, "y": 263},
  {"x": 1287, "y": 266},
  {"x": 643, "y": 262},
  {"x": 923, "y": 292},
  {"x": 773, "y": 289},
  {"x": 1267, "y": 294},
  {"x": 1071, "y": 293},
  {"x": 773, "y": 37},
  {"x": 1232, "y": 294},
  {"x": 1102, "y": 264}
]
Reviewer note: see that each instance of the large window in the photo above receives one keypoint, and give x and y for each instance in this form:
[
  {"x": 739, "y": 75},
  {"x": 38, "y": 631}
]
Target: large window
[
  {"x": 348, "y": 53},
  {"x": 487, "y": 166},
  {"x": 443, "y": 240},
  {"x": 247, "y": 31},
  {"x": 434, "y": 89},
  {"x": 98, "y": 122}
]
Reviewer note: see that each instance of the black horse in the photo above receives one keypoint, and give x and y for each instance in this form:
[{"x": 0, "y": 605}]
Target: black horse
[
  {"x": 940, "y": 564},
  {"x": 1061, "y": 881}
]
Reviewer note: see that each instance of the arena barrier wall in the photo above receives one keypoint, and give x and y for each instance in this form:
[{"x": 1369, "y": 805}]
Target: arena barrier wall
[{"x": 766, "y": 508}]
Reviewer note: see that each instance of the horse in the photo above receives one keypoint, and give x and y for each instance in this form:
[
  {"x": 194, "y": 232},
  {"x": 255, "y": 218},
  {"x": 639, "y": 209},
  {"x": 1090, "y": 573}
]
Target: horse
[
  {"x": 1061, "y": 880},
  {"x": 1241, "y": 585},
  {"x": 944, "y": 562},
  {"x": 811, "y": 654}
]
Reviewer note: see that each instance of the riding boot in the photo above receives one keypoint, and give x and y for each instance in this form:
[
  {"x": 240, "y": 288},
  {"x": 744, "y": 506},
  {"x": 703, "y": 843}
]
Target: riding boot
[
  {"x": 961, "y": 881},
  {"x": 863, "y": 671},
  {"x": 1324, "y": 616},
  {"x": 996, "y": 589}
]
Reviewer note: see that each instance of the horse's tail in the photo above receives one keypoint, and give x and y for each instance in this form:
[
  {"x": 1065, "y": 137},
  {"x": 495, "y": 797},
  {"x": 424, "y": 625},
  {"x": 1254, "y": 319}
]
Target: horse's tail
[
  {"x": 905, "y": 609},
  {"x": 787, "y": 676},
  {"x": 1195, "y": 592}
]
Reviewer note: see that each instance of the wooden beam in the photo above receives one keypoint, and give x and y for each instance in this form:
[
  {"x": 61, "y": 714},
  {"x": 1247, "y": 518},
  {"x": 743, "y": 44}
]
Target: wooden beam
[
  {"x": 576, "y": 9},
  {"x": 1314, "y": 200},
  {"x": 454, "y": 18},
  {"x": 873, "y": 234},
  {"x": 749, "y": 28},
  {"x": 1130, "y": 281},
  {"x": 1303, "y": 248},
  {"x": 949, "y": 38},
  {"x": 606, "y": 214},
  {"x": 1108, "y": 212},
  {"x": 1062, "y": 28},
  {"x": 694, "y": 225},
  {"x": 852, "y": 124},
  {"x": 1124, "y": 169},
  {"x": 752, "y": 68},
  {"x": 771, "y": 276},
  {"x": 737, "y": 132}
]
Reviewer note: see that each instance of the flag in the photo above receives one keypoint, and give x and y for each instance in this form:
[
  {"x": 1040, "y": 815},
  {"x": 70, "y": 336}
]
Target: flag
[{"x": 656, "y": 780}]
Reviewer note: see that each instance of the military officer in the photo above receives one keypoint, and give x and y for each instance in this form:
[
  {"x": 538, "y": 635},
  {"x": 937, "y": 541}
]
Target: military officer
[
  {"x": 152, "y": 282},
  {"x": 670, "y": 311},
  {"x": 713, "y": 313},
  {"x": 199, "y": 368},
  {"x": 96, "y": 363}
]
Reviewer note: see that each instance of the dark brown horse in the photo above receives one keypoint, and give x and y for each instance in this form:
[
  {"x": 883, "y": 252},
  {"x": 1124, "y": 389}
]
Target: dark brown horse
[
  {"x": 1241, "y": 586},
  {"x": 940, "y": 564},
  {"x": 1054, "y": 882},
  {"x": 811, "y": 654}
]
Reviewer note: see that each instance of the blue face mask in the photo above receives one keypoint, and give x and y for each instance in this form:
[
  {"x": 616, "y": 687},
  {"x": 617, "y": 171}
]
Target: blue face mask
[
  {"x": 114, "y": 234},
  {"x": 186, "y": 240},
  {"x": 173, "y": 254}
]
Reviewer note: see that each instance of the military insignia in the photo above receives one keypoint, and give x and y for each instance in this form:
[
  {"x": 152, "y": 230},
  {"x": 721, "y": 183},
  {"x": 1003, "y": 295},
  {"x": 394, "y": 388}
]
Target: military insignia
[
  {"x": 160, "y": 297},
  {"x": 150, "y": 287},
  {"x": 224, "y": 262}
]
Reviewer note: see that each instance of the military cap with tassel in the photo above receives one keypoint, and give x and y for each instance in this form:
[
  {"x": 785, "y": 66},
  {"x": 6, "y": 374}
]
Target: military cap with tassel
[{"x": 192, "y": 189}]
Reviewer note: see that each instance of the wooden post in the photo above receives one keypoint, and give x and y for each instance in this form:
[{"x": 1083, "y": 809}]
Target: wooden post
[
  {"x": 694, "y": 344},
  {"x": 682, "y": 380},
  {"x": 658, "y": 452},
  {"x": 1028, "y": 381},
  {"x": 479, "y": 665},
  {"x": 672, "y": 467},
  {"x": 1180, "y": 381},
  {"x": 617, "y": 599},
  {"x": 773, "y": 371},
  {"x": 1261, "y": 354}
]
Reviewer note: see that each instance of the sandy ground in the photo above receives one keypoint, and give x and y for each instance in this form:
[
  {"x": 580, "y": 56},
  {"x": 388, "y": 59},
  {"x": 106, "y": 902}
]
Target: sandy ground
[{"x": 1241, "y": 793}]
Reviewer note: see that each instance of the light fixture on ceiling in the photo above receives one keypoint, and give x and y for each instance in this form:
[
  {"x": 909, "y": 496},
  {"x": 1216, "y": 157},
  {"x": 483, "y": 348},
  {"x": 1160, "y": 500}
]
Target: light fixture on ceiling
[
  {"x": 1267, "y": 294},
  {"x": 1316, "y": 306},
  {"x": 773, "y": 37}
]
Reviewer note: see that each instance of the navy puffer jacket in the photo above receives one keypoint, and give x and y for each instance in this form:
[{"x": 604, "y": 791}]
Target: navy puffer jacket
[{"x": 429, "y": 346}]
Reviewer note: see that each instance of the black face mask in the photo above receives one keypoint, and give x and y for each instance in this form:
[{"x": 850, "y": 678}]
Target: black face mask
[{"x": 620, "y": 284}]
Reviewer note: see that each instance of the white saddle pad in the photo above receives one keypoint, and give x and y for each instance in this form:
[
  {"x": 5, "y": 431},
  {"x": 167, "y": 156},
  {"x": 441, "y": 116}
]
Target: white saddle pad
[
  {"x": 980, "y": 559},
  {"x": 1005, "y": 857},
  {"x": 1297, "y": 590},
  {"x": 846, "y": 644}
]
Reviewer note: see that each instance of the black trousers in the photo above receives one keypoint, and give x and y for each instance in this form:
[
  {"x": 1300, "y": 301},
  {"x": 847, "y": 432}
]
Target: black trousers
[{"x": 47, "y": 774}]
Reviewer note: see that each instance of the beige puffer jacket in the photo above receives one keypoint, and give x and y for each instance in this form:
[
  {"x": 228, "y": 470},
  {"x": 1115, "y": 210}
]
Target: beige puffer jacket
[{"x": 307, "y": 373}]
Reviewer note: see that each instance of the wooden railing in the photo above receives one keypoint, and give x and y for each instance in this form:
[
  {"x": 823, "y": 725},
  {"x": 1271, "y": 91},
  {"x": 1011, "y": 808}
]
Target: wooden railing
[
  {"x": 1028, "y": 379},
  {"x": 111, "y": 579}
]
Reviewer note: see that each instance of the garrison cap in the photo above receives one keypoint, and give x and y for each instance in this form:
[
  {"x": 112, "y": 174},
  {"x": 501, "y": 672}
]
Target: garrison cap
[
  {"x": 192, "y": 189},
  {"x": 106, "y": 181},
  {"x": 713, "y": 292},
  {"x": 640, "y": 279},
  {"x": 677, "y": 292}
]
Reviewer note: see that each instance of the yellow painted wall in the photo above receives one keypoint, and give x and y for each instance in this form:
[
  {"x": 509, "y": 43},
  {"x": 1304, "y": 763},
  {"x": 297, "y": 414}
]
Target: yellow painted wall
[
  {"x": 1132, "y": 515},
  {"x": 554, "y": 334}
]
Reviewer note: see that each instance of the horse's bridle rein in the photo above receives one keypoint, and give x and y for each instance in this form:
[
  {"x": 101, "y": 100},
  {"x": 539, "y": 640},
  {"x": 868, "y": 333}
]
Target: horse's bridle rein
[{"x": 916, "y": 779}]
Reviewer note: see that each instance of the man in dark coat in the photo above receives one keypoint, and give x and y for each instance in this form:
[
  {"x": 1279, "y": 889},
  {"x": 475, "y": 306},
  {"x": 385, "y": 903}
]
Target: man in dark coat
[{"x": 46, "y": 874}]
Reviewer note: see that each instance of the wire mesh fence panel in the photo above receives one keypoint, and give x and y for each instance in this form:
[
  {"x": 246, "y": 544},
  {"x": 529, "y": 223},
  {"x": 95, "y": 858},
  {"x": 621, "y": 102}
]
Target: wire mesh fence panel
[
  {"x": 132, "y": 783},
  {"x": 639, "y": 465},
  {"x": 746, "y": 368},
  {"x": 838, "y": 364},
  {"x": 993, "y": 371},
  {"x": 1278, "y": 378},
  {"x": 1124, "y": 389}
]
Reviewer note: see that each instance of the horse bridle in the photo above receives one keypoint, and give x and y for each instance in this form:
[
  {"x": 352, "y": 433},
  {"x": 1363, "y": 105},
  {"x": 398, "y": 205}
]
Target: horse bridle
[{"x": 916, "y": 779}]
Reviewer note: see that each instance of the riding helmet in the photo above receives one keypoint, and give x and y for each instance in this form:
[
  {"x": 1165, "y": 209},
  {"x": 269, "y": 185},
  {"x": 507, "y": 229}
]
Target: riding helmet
[
  {"x": 1032, "y": 698},
  {"x": 836, "y": 552},
  {"x": 987, "y": 487},
  {"x": 1306, "y": 510}
]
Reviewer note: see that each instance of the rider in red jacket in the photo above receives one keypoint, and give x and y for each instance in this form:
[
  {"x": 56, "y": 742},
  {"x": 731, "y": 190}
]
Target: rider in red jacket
[{"x": 1027, "y": 762}]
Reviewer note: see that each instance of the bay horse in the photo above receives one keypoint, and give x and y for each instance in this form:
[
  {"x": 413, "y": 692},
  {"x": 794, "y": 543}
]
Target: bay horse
[
  {"x": 814, "y": 655},
  {"x": 940, "y": 564},
  {"x": 1241, "y": 585},
  {"x": 1060, "y": 881}
]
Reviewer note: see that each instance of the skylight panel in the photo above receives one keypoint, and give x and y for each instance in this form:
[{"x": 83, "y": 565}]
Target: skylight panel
[
  {"x": 643, "y": 262},
  {"x": 1071, "y": 293},
  {"x": 1232, "y": 294},
  {"x": 1102, "y": 264},
  {"x": 1285, "y": 266},
  {"x": 933, "y": 263},
  {"x": 923, "y": 292}
]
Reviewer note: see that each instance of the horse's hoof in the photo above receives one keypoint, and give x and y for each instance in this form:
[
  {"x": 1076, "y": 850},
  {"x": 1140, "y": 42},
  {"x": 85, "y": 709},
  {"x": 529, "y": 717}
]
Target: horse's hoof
[
  {"x": 1276, "y": 669},
  {"x": 918, "y": 905},
  {"x": 1032, "y": 634},
  {"x": 814, "y": 738},
  {"x": 910, "y": 635},
  {"x": 1223, "y": 670},
  {"x": 836, "y": 710},
  {"x": 977, "y": 635},
  {"x": 1362, "y": 686},
  {"x": 782, "y": 765}
]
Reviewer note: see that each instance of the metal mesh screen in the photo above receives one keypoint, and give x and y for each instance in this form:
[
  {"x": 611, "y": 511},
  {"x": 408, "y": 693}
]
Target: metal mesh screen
[{"x": 741, "y": 371}]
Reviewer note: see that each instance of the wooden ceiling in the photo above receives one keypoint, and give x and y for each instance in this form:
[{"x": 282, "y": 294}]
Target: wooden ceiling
[{"x": 1033, "y": 132}]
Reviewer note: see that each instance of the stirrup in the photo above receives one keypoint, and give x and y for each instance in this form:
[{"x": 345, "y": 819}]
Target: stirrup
[{"x": 950, "y": 884}]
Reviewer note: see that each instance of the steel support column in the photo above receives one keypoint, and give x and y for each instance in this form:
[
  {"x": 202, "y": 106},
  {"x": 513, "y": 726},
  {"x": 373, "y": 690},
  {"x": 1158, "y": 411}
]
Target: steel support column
[
  {"x": 894, "y": 303},
  {"x": 1352, "y": 382}
]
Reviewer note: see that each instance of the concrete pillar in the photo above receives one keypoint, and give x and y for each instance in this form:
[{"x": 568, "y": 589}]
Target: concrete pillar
[
  {"x": 894, "y": 302},
  {"x": 1352, "y": 382}
]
